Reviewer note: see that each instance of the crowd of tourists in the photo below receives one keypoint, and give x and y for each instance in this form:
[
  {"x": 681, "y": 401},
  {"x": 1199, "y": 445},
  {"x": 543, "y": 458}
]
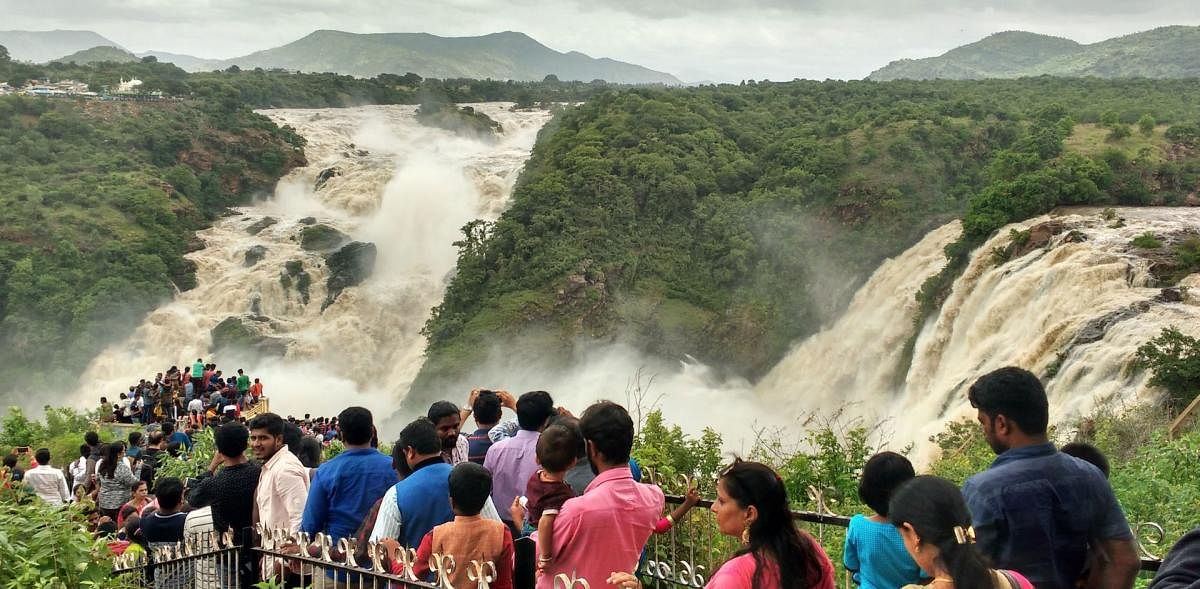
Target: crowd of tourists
[
  {"x": 201, "y": 392},
  {"x": 546, "y": 493}
]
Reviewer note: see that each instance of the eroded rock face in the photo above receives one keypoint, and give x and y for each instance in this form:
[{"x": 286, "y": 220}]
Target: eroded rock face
[
  {"x": 261, "y": 224},
  {"x": 254, "y": 255},
  {"x": 322, "y": 238},
  {"x": 247, "y": 333},
  {"x": 1039, "y": 237},
  {"x": 349, "y": 266}
]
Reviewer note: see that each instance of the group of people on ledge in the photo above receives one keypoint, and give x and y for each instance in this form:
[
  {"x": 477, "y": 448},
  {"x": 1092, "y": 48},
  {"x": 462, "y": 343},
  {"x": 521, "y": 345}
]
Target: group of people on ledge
[
  {"x": 200, "y": 392},
  {"x": 549, "y": 494}
]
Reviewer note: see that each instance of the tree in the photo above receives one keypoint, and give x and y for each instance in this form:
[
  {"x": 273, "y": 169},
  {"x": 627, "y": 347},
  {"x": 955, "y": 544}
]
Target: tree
[
  {"x": 1174, "y": 360},
  {"x": 4, "y": 57},
  {"x": 1146, "y": 124},
  {"x": 149, "y": 59},
  {"x": 1110, "y": 119}
]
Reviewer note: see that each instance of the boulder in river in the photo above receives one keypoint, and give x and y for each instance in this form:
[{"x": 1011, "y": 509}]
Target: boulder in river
[
  {"x": 349, "y": 266},
  {"x": 325, "y": 176},
  {"x": 308, "y": 221},
  {"x": 254, "y": 255},
  {"x": 322, "y": 238},
  {"x": 248, "y": 334},
  {"x": 259, "y": 225}
]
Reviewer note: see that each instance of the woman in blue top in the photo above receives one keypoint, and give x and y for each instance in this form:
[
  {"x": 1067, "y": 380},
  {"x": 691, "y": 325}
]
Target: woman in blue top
[{"x": 875, "y": 552}]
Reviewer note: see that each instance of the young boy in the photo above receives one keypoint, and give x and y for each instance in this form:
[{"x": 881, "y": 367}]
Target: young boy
[
  {"x": 546, "y": 491},
  {"x": 469, "y": 537}
]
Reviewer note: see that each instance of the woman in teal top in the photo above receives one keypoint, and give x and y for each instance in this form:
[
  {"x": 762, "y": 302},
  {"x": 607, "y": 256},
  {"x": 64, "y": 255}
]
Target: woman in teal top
[{"x": 874, "y": 550}]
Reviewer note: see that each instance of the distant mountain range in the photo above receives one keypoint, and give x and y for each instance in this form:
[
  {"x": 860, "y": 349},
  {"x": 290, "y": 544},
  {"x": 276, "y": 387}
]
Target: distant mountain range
[
  {"x": 501, "y": 56},
  {"x": 42, "y": 46},
  {"x": 1167, "y": 52}
]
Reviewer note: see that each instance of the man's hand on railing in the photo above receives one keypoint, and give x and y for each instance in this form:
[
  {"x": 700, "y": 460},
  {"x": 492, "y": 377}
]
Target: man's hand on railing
[{"x": 624, "y": 580}]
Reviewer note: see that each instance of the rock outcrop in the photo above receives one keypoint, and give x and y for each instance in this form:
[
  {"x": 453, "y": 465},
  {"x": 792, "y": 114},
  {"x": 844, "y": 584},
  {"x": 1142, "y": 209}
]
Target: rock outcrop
[
  {"x": 349, "y": 266},
  {"x": 247, "y": 333},
  {"x": 259, "y": 225},
  {"x": 322, "y": 238},
  {"x": 254, "y": 255}
]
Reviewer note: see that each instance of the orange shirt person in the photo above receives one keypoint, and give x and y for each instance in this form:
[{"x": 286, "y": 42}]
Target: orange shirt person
[{"x": 256, "y": 389}]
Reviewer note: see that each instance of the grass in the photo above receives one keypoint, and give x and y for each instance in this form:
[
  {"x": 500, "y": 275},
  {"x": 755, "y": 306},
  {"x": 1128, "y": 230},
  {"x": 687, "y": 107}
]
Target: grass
[{"x": 1092, "y": 140}]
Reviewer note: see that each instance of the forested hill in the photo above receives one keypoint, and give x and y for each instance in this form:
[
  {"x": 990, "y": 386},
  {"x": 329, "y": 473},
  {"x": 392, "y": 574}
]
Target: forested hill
[
  {"x": 100, "y": 201},
  {"x": 726, "y": 222},
  {"x": 1166, "y": 52}
]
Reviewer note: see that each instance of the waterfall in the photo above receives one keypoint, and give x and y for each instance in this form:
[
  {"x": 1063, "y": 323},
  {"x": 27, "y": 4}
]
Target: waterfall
[
  {"x": 377, "y": 176},
  {"x": 1073, "y": 310}
]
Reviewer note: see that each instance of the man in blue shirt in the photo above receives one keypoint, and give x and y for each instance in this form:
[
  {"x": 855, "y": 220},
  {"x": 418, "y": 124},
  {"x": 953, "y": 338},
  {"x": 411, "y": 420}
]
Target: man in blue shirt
[
  {"x": 1036, "y": 510},
  {"x": 168, "y": 430},
  {"x": 344, "y": 489}
]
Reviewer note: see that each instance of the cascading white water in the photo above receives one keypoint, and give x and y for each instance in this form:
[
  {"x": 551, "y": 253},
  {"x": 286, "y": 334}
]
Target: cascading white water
[
  {"x": 1057, "y": 306},
  {"x": 406, "y": 188}
]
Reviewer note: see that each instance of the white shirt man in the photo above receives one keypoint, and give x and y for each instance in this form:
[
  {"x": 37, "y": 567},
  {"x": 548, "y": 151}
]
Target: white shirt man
[{"x": 48, "y": 482}]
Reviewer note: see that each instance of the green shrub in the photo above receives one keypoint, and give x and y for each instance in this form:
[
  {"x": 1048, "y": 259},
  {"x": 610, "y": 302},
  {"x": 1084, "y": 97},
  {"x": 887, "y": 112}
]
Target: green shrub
[
  {"x": 1147, "y": 241},
  {"x": 1174, "y": 361}
]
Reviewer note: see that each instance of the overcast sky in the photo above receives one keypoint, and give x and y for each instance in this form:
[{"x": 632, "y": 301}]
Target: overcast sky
[{"x": 697, "y": 40}]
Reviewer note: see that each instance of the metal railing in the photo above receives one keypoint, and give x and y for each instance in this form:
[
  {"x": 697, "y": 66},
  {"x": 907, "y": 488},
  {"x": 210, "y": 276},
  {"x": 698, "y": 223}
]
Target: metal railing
[{"x": 209, "y": 561}]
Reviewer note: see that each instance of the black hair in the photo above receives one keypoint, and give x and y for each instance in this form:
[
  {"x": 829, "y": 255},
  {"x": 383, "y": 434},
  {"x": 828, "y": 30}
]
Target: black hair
[
  {"x": 310, "y": 452},
  {"x": 292, "y": 437},
  {"x": 268, "y": 421},
  {"x": 399, "y": 463},
  {"x": 441, "y": 410},
  {"x": 533, "y": 409},
  {"x": 934, "y": 507},
  {"x": 421, "y": 436},
  {"x": 774, "y": 538},
  {"x": 111, "y": 453},
  {"x": 882, "y": 475},
  {"x": 470, "y": 486},
  {"x": 108, "y": 528},
  {"x": 357, "y": 425},
  {"x": 133, "y": 530},
  {"x": 558, "y": 447},
  {"x": 231, "y": 439},
  {"x": 135, "y": 438},
  {"x": 1014, "y": 393},
  {"x": 91, "y": 438},
  {"x": 169, "y": 492},
  {"x": 572, "y": 423},
  {"x": 42, "y": 456},
  {"x": 609, "y": 428},
  {"x": 173, "y": 449},
  {"x": 168, "y": 428},
  {"x": 10, "y": 460},
  {"x": 84, "y": 450},
  {"x": 156, "y": 438},
  {"x": 1083, "y": 451},
  {"x": 487, "y": 408}
]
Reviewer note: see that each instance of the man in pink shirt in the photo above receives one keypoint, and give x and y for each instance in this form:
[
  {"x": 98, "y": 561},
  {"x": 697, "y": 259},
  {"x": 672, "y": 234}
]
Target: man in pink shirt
[{"x": 605, "y": 529}]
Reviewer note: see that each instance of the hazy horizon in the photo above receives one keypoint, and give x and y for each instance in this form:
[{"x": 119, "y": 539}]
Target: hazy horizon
[{"x": 698, "y": 40}]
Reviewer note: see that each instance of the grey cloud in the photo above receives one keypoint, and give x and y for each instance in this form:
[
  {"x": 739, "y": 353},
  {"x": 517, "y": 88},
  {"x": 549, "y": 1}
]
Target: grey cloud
[{"x": 888, "y": 8}]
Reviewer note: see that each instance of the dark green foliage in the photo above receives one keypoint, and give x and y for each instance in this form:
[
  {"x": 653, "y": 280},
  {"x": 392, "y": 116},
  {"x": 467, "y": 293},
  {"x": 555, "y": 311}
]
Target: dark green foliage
[
  {"x": 465, "y": 121},
  {"x": 99, "y": 202},
  {"x": 1174, "y": 361},
  {"x": 726, "y": 222},
  {"x": 1146, "y": 125}
]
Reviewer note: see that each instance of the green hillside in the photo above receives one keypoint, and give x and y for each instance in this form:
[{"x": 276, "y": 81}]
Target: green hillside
[
  {"x": 99, "y": 203},
  {"x": 498, "y": 56},
  {"x": 98, "y": 54},
  {"x": 43, "y": 46},
  {"x": 1167, "y": 52},
  {"x": 726, "y": 222}
]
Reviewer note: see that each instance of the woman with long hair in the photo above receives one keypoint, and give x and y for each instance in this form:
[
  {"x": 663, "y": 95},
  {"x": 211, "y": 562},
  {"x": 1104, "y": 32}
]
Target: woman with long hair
[
  {"x": 116, "y": 480},
  {"x": 936, "y": 527},
  {"x": 138, "y": 502},
  {"x": 752, "y": 505}
]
